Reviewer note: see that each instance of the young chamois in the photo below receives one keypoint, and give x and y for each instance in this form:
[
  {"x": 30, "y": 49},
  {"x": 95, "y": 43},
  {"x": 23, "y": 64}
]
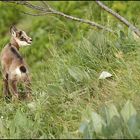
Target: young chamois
[{"x": 14, "y": 68}]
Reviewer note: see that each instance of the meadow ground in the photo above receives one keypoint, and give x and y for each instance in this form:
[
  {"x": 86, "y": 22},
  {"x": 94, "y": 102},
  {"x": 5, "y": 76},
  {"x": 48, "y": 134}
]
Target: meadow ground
[{"x": 66, "y": 59}]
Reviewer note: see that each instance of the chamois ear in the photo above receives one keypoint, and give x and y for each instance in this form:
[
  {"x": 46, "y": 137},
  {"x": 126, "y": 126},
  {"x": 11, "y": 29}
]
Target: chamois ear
[{"x": 13, "y": 31}]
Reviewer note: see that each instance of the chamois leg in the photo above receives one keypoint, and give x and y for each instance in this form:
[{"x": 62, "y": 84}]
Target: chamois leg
[
  {"x": 28, "y": 88},
  {"x": 6, "y": 86},
  {"x": 13, "y": 84}
]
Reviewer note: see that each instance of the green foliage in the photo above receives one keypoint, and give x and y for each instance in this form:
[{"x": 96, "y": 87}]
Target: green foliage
[
  {"x": 9, "y": 16},
  {"x": 111, "y": 123},
  {"x": 65, "y": 61}
]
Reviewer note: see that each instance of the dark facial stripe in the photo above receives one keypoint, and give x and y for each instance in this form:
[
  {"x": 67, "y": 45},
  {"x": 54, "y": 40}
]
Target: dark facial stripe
[
  {"x": 16, "y": 53},
  {"x": 23, "y": 39}
]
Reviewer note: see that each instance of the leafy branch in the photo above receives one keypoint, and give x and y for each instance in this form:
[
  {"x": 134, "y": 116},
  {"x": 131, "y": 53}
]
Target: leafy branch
[
  {"x": 47, "y": 9},
  {"x": 119, "y": 17}
]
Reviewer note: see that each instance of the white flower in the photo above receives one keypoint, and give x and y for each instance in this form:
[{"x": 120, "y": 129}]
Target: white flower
[{"x": 105, "y": 75}]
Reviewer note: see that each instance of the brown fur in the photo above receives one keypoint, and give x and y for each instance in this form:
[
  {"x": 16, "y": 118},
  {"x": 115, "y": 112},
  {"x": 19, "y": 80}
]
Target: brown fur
[{"x": 12, "y": 65}]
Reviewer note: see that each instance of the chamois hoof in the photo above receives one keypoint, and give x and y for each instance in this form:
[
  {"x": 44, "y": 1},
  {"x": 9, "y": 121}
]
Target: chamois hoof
[{"x": 15, "y": 98}]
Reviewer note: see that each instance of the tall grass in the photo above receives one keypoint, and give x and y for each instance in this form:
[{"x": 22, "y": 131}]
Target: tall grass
[{"x": 65, "y": 62}]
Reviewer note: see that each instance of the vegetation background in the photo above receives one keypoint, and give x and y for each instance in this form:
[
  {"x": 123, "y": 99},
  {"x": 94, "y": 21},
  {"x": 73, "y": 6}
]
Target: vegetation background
[{"x": 65, "y": 60}]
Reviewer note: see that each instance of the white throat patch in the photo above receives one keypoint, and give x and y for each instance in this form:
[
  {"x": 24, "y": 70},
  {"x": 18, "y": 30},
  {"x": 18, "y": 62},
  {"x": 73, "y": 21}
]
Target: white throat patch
[{"x": 18, "y": 72}]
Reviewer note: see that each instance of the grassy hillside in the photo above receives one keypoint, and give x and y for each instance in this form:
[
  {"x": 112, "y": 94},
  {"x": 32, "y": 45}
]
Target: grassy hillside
[{"x": 65, "y": 60}]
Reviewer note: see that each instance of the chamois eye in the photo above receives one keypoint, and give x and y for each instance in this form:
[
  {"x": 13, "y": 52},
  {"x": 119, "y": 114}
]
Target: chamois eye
[
  {"x": 22, "y": 38},
  {"x": 20, "y": 33}
]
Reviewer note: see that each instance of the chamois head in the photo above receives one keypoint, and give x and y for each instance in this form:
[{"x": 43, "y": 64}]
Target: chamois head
[{"x": 20, "y": 36}]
